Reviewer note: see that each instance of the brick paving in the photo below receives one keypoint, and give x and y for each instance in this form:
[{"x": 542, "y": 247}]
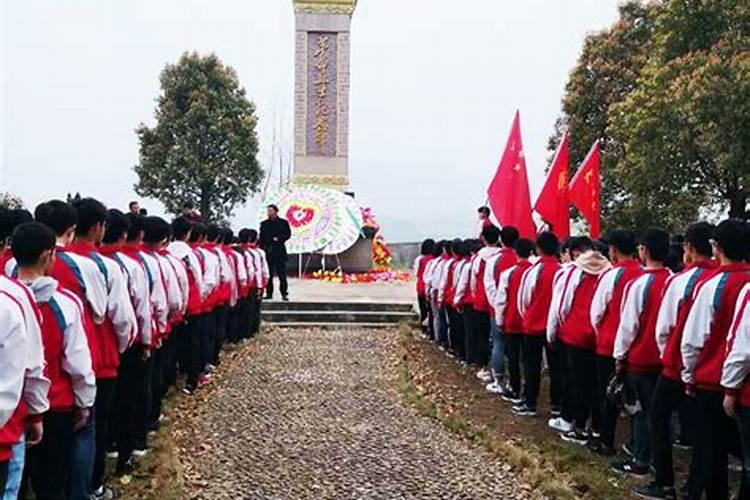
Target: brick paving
[{"x": 315, "y": 415}]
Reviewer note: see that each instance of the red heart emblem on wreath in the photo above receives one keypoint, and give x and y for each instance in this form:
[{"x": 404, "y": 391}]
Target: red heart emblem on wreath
[{"x": 299, "y": 216}]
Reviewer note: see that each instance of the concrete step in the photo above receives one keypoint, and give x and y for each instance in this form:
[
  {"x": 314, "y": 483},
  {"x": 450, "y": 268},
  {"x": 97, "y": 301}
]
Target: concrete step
[
  {"x": 335, "y": 316},
  {"x": 337, "y": 306},
  {"x": 331, "y": 326}
]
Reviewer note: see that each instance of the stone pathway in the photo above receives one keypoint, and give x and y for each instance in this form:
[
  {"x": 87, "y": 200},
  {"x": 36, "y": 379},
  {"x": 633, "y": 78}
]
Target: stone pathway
[{"x": 313, "y": 414}]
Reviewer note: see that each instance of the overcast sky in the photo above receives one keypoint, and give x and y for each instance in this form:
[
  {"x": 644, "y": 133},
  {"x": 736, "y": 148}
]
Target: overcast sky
[{"x": 434, "y": 87}]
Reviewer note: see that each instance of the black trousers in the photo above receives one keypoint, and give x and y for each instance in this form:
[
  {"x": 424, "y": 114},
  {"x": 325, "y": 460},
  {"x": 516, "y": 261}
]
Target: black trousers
[
  {"x": 582, "y": 371},
  {"x": 643, "y": 385},
  {"x": 443, "y": 327},
  {"x": 105, "y": 400},
  {"x": 482, "y": 337},
  {"x": 243, "y": 318},
  {"x": 256, "y": 307},
  {"x": 169, "y": 357},
  {"x": 233, "y": 319},
  {"x": 712, "y": 444},
  {"x": 189, "y": 350},
  {"x": 469, "y": 335},
  {"x": 456, "y": 332},
  {"x": 668, "y": 396},
  {"x": 743, "y": 423},
  {"x": 207, "y": 334},
  {"x": 3, "y": 474},
  {"x": 555, "y": 354},
  {"x": 48, "y": 463},
  {"x": 608, "y": 412},
  {"x": 423, "y": 311},
  {"x": 533, "y": 349},
  {"x": 131, "y": 384},
  {"x": 157, "y": 387},
  {"x": 221, "y": 315},
  {"x": 277, "y": 267},
  {"x": 145, "y": 400},
  {"x": 513, "y": 343}
]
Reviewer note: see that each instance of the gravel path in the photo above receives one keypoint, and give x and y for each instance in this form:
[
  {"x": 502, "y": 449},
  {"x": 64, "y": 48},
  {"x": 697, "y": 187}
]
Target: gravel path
[{"x": 314, "y": 414}]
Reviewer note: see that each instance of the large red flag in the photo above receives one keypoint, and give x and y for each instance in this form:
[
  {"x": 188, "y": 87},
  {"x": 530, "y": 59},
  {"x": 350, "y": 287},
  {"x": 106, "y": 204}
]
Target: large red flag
[
  {"x": 585, "y": 190},
  {"x": 508, "y": 193},
  {"x": 552, "y": 203}
]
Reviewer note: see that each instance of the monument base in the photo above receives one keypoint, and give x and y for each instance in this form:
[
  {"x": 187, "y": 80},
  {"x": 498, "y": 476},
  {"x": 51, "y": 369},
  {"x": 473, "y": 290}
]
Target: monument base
[{"x": 357, "y": 259}]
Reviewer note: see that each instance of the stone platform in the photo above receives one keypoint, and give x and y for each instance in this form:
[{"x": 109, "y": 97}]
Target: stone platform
[{"x": 328, "y": 305}]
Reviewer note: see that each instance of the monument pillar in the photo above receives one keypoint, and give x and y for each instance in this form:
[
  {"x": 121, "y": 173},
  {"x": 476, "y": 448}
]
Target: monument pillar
[{"x": 321, "y": 92}]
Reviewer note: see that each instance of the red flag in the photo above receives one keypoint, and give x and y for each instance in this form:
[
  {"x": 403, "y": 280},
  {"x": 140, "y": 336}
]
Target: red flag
[
  {"x": 552, "y": 203},
  {"x": 508, "y": 193},
  {"x": 585, "y": 190}
]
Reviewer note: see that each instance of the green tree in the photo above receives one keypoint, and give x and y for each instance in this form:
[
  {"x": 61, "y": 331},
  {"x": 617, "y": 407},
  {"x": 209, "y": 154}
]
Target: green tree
[
  {"x": 203, "y": 148},
  {"x": 667, "y": 91},
  {"x": 606, "y": 72},
  {"x": 9, "y": 200}
]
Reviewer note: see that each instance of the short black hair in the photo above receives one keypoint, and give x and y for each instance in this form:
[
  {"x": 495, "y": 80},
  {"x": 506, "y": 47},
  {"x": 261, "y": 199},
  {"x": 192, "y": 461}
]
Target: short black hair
[
  {"x": 244, "y": 235},
  {"x": 155, "y": 229},
  {"x": 524, "y": 248},
  {"x": 199, "y": 231},
  {"x": 274, "y": 207},
  {"x": 699, "y": 236},
  {"x": 484, "y": 210},
  {"x": 732, "y": 237},
  {"x": 548, "y": 243},
  {"x": 90, "y": 213},
  {"x": 20, "y": 216},
  {"x": 656, "y": 240},
  {"x": 30, "y": 240},
  {"x": 491, "y": 234},
  {"x": 213, "y": 232},
  {"x": 56, "y": 215},
  {"x": 438, "y": 250},
  {"x": 623, "y": 240},
  {"x": 188, "y": 205},
  {"x": 135, "y": 228},
  {"x": 6, "y": 224},
  {"x": 130, "y": 205},
  {"x": 252, "y": 236},
  {"x": 118, "y": 225},
  {"x": 509, "y": 235},
  {"x": 227, "y": 236},
  {"x": 580, "y": 244},
  {"x": 181, "y": 226},
  {"x": 427, "y": 247}
]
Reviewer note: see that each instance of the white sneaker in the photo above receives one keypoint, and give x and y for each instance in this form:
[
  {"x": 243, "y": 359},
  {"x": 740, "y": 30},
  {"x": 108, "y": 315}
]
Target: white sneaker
[
  {"x": 494, "y": 388},
  {"x": 560, "y": 424},
  {"x": 484, "y": 375}
]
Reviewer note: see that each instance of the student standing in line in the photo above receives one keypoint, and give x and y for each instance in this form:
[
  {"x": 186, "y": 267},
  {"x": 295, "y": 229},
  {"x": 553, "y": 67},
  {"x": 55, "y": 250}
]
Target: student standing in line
[
  {"x": 703, "y": 351},
  {"x": 420, "y": 263},
  {"x": 481, "y": 308},
  {"x": 605, "y": 318}
]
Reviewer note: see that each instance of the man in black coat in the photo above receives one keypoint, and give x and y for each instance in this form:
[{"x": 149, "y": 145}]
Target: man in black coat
[{"x": 274, "y": 232}]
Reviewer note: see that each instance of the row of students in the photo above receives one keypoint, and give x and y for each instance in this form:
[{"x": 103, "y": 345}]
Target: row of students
[
  {"x": 619, "y": 330},
  {"x": 112, "y": 308}
]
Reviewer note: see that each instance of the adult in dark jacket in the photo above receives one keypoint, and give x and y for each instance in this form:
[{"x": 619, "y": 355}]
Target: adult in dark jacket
[{"x": 274, "y": 232}]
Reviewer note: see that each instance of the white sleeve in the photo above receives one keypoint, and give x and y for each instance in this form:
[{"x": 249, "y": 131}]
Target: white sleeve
[
  {"x": 501, "y": 295},
  {"x": 698, "y": 328},
  {"x": 141, "y": 296},
  {"x": 173, "y": 291},
  {"x": 737, "y": 363},
  {"x": 443, "y": 284},
  {"x": 159, "y": 305},
  {"x": 210, "y": 277},
  {"x": 36, "y": 384},
  {"x": 241, "y": 267},
  {"x": 529, "y": 281},
  {"x": 558, "y": 310},
  {"x": 415, "y": 266},
  {"x": 667, "y": 317},
  {"x": 490, "y": 286},
  {"x": 264, "y": 266},
  {"x": 602, "y": 296},
  {"x": 463, "y": 283},
  {"x": 76, "y": 360},
  {"x": 12, "y": 357},
  {"x": 180, "y": 272},
  {"x": 96, "y": 287},
  {"x": 120, "y": 308},
  {"x": 630, "y": 317}
]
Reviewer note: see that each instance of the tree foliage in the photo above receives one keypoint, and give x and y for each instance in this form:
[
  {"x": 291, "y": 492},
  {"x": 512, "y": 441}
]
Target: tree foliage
[
  {"x": 667, "y": 91},
  {"x": 203, "y": 148},
  {"x": 10, "y": 200}
]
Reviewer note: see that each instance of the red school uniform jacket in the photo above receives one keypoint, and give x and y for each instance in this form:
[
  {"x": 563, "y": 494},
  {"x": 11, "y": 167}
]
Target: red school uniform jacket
[
  {"x": 506, "y": 304},
  {"x": 575, "y": 328},
  {"x": 707, "y": 327},
  {"x": 635, "y": 341},
  {"x": 679, "y": 294},
  {"x": 419, "y": 268},
  {"x": 535, "y": 295},
  {"x": 607, "y": 303},
  {"x": 734, "y": 374}
]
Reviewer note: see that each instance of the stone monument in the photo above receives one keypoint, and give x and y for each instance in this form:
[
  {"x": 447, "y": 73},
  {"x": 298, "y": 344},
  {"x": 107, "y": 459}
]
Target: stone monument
[{"x": 321, "y": 92}]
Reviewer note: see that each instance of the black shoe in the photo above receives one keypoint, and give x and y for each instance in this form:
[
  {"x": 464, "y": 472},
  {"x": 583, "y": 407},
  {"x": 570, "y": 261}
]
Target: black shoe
[
  {"x": 555, "y": 412},
  {"x": 524, "y": 411},
  {"x": 682, "y": 445},
  {"x": 596, "y": 446},
  {"x": 575, "y": 437},
  {"x": 629, "y": 467},
  {"x": 285, "y": 298},
  {"x": 653, "y": 491},
  {"x": 269, "y": 296}
]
